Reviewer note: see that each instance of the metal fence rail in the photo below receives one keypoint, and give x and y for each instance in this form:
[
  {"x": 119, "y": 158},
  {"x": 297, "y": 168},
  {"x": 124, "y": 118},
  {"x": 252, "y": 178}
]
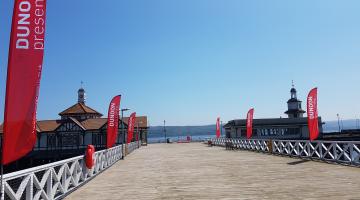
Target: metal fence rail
[
  {"x": 329, "y": 151},
  {"x": 56, "y": 180},
  {"x": 132, "y": 146}
]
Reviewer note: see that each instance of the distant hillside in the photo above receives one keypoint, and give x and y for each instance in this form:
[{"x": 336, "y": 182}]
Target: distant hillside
[
  {"x": 333, "y": 126},
  {"x": 174, "y": 131}
]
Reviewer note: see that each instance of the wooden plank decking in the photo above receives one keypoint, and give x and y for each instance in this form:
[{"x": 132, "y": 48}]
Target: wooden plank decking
[{"x": 195, "y": 171}]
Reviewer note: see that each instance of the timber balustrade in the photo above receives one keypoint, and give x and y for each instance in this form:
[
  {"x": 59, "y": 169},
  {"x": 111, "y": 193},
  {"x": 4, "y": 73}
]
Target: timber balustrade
[
  {"x": 56, "y": 180},
  {"x": 329, "y": 151}
]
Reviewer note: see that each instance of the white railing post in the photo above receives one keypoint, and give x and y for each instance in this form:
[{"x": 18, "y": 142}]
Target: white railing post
[
  {"x": 2, "y": 190},
  {"x": 29, "y": 187},
  {"x": 321, "y": 151}
]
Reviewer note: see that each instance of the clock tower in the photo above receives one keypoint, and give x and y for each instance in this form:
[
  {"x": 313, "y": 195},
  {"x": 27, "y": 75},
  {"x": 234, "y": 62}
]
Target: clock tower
[{"x": 294, "y": 105}]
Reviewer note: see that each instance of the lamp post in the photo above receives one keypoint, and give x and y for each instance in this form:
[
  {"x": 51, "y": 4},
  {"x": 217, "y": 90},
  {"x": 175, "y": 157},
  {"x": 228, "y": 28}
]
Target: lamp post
[
  {"x": 356, "y": 122},
  {"x": 147, "y": 132},
  {"x": 221, "y": 128},
  {"x": 122, "y": 129},
  {"x": 164, "y": 131},
  {"x": 338, "y": 117},
  {"x": 138, "y": 133}
]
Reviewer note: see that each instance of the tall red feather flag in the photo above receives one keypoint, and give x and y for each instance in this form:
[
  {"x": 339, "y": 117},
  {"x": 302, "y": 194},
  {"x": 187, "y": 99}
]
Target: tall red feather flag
[
  {"x": 25, "y": 62},
  {"x": 113, "y": 121},
  {"x": 249, "y": 123},
  {"x": 312, "y": 113},
  {"x": 218, "y": 133},
  {"x": 131, "y": 126}
]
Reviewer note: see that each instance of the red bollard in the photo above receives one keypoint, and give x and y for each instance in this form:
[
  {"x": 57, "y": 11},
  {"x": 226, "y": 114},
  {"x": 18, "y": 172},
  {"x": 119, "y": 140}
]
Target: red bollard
[{"x": 89, "y": 156}]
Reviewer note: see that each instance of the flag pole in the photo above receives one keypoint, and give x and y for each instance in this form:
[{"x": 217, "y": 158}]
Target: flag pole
[
  {"x": 2, "y": 174},
  {"x": 2, "y": 168}
]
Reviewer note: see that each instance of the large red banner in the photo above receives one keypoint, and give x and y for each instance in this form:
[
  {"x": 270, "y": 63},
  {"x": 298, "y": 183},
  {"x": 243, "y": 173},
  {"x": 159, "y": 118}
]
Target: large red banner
[
  {"x": 23, "y": 78},
  {"x": 131, "y": 126},
  {"x": 113, "y": 121},
  {"x": 312, "y": 113},
  {"x": 218, "y": 132},
  {"x": 249, "y": 123}
]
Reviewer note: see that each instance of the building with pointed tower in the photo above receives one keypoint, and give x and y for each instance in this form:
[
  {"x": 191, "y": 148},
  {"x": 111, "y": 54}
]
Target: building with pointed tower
[
  {"x": 79, "y": 110},
  {"x": 294, "y": 105},
  {"x": 81, "y": 95},
  {"x": 79, "y": 125},
  {"x": 294, "y": 127}
]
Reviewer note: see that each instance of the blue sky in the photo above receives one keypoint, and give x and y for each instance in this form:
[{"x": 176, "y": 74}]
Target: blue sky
[{"x": 190, "y": 61}]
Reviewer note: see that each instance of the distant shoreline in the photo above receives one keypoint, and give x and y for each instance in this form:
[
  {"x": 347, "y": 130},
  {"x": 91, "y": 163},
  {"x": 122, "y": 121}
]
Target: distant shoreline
[{"x": 209, "y": 130}]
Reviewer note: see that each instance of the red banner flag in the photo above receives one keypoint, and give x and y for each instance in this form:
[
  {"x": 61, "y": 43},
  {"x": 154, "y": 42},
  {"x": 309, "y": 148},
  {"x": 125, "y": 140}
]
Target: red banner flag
[
  {"x": 218, "y": 133},
  {"x": 249, "y": 123},
  {"x": 113, "y": 121},
  {"x": 131, "y": 125},
  {"x": 23, "y": 78},
  {"x": 312, "y": 113}
]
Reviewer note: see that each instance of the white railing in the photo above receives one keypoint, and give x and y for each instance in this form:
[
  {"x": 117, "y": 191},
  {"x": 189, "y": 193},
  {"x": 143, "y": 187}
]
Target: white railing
[
  {"x": 132, "y": 146},
  {"x": 254, "y": 145},
  {"x": 219, "y": 142},
  {"x": 56, "y": 180},
  {"x": 329, "y": 151}
]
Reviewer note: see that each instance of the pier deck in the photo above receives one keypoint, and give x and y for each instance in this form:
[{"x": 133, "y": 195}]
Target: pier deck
[{"x": 195, "y": 171}]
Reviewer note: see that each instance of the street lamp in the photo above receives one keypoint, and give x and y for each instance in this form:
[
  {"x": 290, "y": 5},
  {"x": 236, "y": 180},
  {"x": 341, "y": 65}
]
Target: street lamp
[
  {"x": 122, "y": 128},
  {"x": 338, "y": 117},
  {"x": 138, "y": 133},
  {"x": 164, "y": 131}
]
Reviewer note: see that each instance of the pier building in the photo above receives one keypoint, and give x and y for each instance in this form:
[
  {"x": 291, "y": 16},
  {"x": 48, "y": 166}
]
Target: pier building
[
  {"x": 293, "y": 127},
  {"x": 79, "y": 125}
]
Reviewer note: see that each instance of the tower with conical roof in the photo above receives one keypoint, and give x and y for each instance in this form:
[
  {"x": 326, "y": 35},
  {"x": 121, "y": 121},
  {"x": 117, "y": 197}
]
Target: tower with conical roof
[
  {"x": 81, "y": 95},
  {"x": 294, "y": 105},
  {"x": 80, "y": 111}
]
